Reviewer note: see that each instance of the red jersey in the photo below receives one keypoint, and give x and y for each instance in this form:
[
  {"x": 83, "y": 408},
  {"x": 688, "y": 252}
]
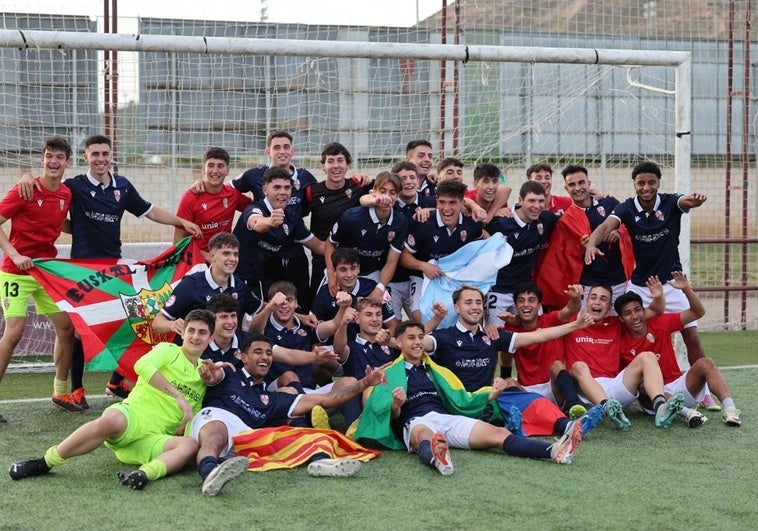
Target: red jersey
[
  {"x": 533, "y": 361},
  {"x": 214, "y": 213},
  {"x": 598, "y": 346},
  {"x": 658, "y": 340},
  {"x": 559, "y": 202},
  {"x": 35, "y": 224}
]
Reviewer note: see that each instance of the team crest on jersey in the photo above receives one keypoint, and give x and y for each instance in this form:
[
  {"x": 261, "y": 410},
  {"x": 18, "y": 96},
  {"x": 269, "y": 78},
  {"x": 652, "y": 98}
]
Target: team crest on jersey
[
  {"x": 225, "y": 202},
  {"x": 141, "y": 308},
  {"x": 464, "y": 235},
  {"x": 256, "y": 211},
  {"x": 390, "y": 235},
  {"x": 601, "y": 210},
  {"x": 265, "y": 399},
  {"x": 61, "y": 204},
  {"x": 386, "y": 349},
  {"x": 301, "y": 332},
  {"x": 659, "y": 215},
  {"x": 204, "y": 205},
  {"x": 237, "y": 354},
  {"x": 411, "y": 240},
  {"x": 286, "y": 229},
  {"x": 486, "y": 340},
  {"x": 117, "y": 195},
  {"x": 650, "y": 338},
  {"x": 296, "y": 183},
  {"x": 540, "y": 228},
  {"x": 349, "y": 193}
]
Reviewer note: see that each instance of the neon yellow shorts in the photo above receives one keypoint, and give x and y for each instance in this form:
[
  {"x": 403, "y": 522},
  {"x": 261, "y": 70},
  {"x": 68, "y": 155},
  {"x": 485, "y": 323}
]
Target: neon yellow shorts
[
  {"x": 142, "y": 441},
  {"x": 15, "y": 291}
]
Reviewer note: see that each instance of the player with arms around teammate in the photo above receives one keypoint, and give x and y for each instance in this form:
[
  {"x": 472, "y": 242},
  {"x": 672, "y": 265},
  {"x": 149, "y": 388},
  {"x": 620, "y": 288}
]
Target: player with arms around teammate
[
  {"x": 35, "y": 225},
  {"x": 148, "y": 427}
]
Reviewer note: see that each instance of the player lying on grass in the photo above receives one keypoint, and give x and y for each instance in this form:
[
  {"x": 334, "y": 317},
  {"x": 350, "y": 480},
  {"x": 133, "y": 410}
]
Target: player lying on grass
[
  {"x": 426, "y": 406},
  {"x": 654, "y": 335},
  {"x": 238, "y": 402},
  {"x": 147, "y": 428}
]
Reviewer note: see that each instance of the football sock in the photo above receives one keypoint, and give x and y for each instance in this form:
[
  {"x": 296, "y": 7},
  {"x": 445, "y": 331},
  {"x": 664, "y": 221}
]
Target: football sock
[
  {"x": 206, "y": 466},
  {"x": 319, "y": 456},
  {"x": 60, "y": 387},
  {"x": 351, "y": 410},
  {"x": 658, "y": 401},
  {"x": 116, "y": 378},
  {"x": 521, "y": 447},
  {"x": 560, "y": 425},
  {"x": 77, "y": 364},
  {"x": 155, "y": 469},
  {"x": 727, "y": 402},
  {"x": 425, "y": 454},
  {"x": 53, "y": 458},
  {"x": 567, "y": 388}
]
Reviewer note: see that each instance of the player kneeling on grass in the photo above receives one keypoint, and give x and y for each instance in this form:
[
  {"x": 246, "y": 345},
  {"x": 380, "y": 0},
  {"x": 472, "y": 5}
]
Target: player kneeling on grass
[
  {"x": 237, "y": 401},
  {"x": 146, "y": 428},
  {"x": 427, "y": 405}
]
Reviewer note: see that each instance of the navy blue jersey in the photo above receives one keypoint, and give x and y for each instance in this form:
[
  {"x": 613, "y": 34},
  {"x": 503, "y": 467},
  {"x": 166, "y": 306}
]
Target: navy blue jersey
[
  {"x": 607, "y": 269},
  {"x": 325, "y": 205},
  {"x": 96, "y": 213},
  {"x": 472, "y": 357},
  {"x": 422, "y": 395},
  {"x": 433, "y": 240},
  {"x": 256, "y": 407},
  {"x": 324, "y": 305},
  {"x": 428, "y": 190},
  {"x": 655, "y": 236},
  {"x": 298, "y": 337},
  {"x": 252, "y": 181},
  {"x": 194, "y": 291},
  {"x": 364, "y": 353},
  {"x": 259, "y": 251},
  {"x": 527, "y": 240},
  {"x": 231, "y": 355},
  {"x": 359, "y": 228},
  {"x": 402, "y": 274}
]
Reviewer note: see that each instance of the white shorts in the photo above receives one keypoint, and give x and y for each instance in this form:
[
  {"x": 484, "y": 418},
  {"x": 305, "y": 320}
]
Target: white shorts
[
  {"x": 497, "y": 303},
  {"x": 416, "y": 289},
  {"x": 615, "y": 388},
  {"x": 544, "y": 389},
  {"x": 401, "y": 298},
  {"x": 456, "y": 428},
  {"x": 679, "y": 386},
  {"x": 618, "y": 289},
  {"x": 676, "y": 300},
  {"x": 233, "y": 423},
  {"x": 374, "y": 275}
]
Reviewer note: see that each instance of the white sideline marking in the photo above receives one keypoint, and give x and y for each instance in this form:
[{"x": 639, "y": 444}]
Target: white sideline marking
[{"x": 48, "y": 399}]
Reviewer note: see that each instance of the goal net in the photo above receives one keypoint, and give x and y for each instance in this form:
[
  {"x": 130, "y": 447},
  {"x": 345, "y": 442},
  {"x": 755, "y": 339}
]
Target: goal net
[{"x": 183, "y": 86}]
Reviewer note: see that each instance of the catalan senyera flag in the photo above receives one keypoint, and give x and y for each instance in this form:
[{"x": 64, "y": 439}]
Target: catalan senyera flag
[
  {"x": 288, "y": 447},
  {"x": 112, "y": 301}
]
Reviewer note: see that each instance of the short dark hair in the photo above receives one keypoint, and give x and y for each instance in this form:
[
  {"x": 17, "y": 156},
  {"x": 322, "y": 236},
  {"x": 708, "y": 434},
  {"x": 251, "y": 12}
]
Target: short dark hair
[
  {"x": 449, "y": 161},
  {"x": 57, "y": 143},
  {"x": 646, "y": 167},
  {"x": 275, "y": 172},
  {"x": 335, "y": 148},
  {"x": 278, "y": 134},
  {"x": 606, "y": 287},
  {"x": 223, "y": 239},
  {"x": 216, "y": 153},
  {"x": 413, "y": 144},
  {"x": 253, "y": 339},
  {"x": 573, "y": 168},
  {"x": 541, "y": 166},
  {"x": 222, "y": 303},
  {"x": 405, "y": 325},
  {"x": 285, "y": 286},
  {"x": 531, "y": 187},
  {"x": 97, "y": 139},
  {"x": 486, "y": 170},
  {"x": 345, "y": 255},
  {"x": 527, "y": 287},
  {"x": 451, "y": 189},
  {"x": 626, "y": 298},
  {"x": 458, "y": 291},
  {"x": 205, "y": 316},
  {"x": 404, "y": 165}
]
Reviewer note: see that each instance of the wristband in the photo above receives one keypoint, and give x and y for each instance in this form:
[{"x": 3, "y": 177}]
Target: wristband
[{"x": 380, "y": 286}]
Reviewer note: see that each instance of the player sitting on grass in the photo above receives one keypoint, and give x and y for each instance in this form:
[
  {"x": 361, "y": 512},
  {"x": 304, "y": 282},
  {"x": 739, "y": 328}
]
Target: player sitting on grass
[
  {"x": 654, "y": 335},
  {"x": 147, "y": 427},
  {"x": 239, "y": 402},
  {"x": 426, "y": 405}
]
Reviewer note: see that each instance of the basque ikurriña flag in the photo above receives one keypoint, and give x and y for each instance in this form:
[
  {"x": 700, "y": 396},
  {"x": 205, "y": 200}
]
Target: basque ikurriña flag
[{"x": 112, "y": 301}]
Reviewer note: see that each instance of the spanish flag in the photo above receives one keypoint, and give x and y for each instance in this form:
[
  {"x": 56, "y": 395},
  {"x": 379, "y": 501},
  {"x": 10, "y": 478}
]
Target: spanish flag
[
  {"x": 374, "y": 423},
  {"x": 288, "y": 447}
]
